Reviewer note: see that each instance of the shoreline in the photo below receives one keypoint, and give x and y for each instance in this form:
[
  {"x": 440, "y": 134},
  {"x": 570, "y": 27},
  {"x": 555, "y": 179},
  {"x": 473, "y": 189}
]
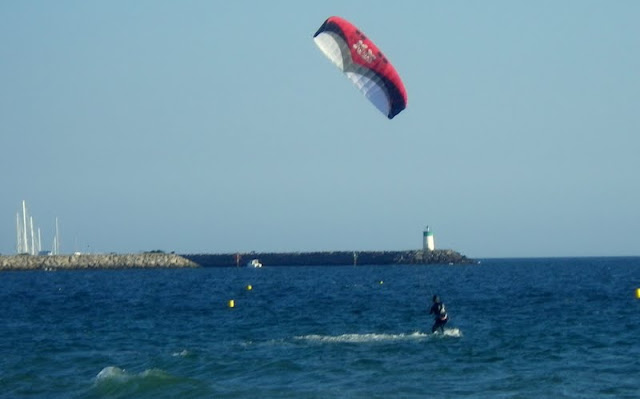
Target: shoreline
[{"x": 164, "y": 260}]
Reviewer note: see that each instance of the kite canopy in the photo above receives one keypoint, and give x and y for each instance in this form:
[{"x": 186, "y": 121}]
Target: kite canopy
[{"x": 363, "y": 63}]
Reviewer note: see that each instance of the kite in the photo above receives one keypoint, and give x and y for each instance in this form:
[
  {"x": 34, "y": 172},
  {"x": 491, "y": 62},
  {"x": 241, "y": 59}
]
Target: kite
[{"x": 363, "y": 63}]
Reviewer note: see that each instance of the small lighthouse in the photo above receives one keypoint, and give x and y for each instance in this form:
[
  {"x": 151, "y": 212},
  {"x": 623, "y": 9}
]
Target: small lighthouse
[{"x": 428, "y": 244}]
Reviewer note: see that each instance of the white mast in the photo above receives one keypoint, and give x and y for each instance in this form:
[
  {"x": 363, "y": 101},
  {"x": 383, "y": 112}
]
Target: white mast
[
  {"x": 18, "y": 234},
  {"x": 56, "y": 242},
  {"x": 39, "y": 242},
  {"x": 33, "y": 243},
  {"x": 25, "y": 242}
]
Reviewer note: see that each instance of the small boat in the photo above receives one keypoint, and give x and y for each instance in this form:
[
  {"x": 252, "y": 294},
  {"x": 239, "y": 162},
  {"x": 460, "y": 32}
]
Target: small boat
[{"x": 255, "y": 263}]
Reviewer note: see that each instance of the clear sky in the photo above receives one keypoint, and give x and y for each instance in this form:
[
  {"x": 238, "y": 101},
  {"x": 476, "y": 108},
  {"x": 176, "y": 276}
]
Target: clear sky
[{"x": 211, "y": 126}]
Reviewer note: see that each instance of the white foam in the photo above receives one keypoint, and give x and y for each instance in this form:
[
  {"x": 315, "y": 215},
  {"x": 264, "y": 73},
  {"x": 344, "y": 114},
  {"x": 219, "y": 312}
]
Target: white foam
[
  {"x": 357, "y": 338},
  {"x": 183, "y": 353},
  {"x": 452, "y": 332},
  {"x": 373, "y": 337}
]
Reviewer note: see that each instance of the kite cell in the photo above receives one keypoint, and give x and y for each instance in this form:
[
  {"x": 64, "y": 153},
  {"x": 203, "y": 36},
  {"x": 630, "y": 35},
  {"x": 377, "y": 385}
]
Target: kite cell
[{"x": 363, "y": 63}]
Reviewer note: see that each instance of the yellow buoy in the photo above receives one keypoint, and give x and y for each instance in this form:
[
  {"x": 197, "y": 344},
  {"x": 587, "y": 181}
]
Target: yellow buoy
[
  {"x": 249, "y": 287},
  {"x": 232, "y": 303},
  {"x": 638, "y": 293}
]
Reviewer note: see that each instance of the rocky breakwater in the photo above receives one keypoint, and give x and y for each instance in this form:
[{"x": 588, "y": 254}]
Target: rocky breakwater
[
  {"x": 334, "y": 258},
  {"x": 89, "y": 261}
]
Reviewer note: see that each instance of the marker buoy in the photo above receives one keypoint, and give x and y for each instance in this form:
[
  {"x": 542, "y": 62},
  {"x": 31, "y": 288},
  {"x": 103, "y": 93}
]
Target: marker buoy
[
  {"x": 249, "y": 287},
  {"x": 232, "y": 303},
  {"x": 381, "y": 282},
  {"x": 638, "y": 293}
]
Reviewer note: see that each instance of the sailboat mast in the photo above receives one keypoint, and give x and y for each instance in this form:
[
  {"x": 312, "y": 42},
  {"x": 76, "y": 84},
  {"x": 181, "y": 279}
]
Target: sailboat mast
[
  {"x": 18, "y": 234},
  {"x": 33, "y": 244},
  {"x": 25, "y": 242},
  {"x": 57, "y": 240}
]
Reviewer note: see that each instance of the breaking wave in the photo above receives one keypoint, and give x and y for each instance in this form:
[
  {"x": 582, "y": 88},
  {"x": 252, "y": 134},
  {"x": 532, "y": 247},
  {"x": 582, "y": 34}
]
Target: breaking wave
[{"x": 114, "y": 381}]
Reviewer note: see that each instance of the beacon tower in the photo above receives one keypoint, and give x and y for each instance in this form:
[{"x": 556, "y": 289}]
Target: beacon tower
[{"x": 428, "y": 244}]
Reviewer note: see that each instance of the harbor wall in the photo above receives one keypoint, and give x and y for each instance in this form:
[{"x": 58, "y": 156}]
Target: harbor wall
[
  {"x": 333, "y": 258},
  {"x": 163, "y": 260}
]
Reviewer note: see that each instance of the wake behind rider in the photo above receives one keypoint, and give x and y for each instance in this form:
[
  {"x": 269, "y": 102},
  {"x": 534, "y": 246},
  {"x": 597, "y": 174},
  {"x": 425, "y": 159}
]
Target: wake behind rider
[{"x": 440, "y": 314}]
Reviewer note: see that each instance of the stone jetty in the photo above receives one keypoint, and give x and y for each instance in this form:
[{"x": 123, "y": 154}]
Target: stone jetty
[{"x": 268, "y": 259}]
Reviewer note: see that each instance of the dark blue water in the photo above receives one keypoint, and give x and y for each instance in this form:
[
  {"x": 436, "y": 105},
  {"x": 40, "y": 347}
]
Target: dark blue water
[{"x": 525, "y": 328}]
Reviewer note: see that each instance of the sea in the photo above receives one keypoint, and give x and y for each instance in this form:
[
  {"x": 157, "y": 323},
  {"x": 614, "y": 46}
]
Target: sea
[{"x": 518, "y": 328}]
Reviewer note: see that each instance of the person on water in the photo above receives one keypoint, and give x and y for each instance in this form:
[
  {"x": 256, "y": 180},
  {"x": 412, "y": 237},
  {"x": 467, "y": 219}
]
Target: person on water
[{"x": 440, "y": 314}]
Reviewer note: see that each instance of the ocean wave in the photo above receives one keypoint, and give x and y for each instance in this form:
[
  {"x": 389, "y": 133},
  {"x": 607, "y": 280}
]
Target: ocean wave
[
  {"x": 115, "y": 382},
  {"x": 111, "y": 373},
  {"x": 116, "y": 374}
]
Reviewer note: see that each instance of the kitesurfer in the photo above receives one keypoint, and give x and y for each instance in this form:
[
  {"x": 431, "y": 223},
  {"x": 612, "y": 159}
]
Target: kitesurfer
[{"x": 440, "y": 314}]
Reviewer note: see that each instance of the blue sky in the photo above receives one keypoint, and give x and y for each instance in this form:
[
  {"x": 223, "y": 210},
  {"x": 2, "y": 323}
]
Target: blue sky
[{"x": 207, "y": 127}]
